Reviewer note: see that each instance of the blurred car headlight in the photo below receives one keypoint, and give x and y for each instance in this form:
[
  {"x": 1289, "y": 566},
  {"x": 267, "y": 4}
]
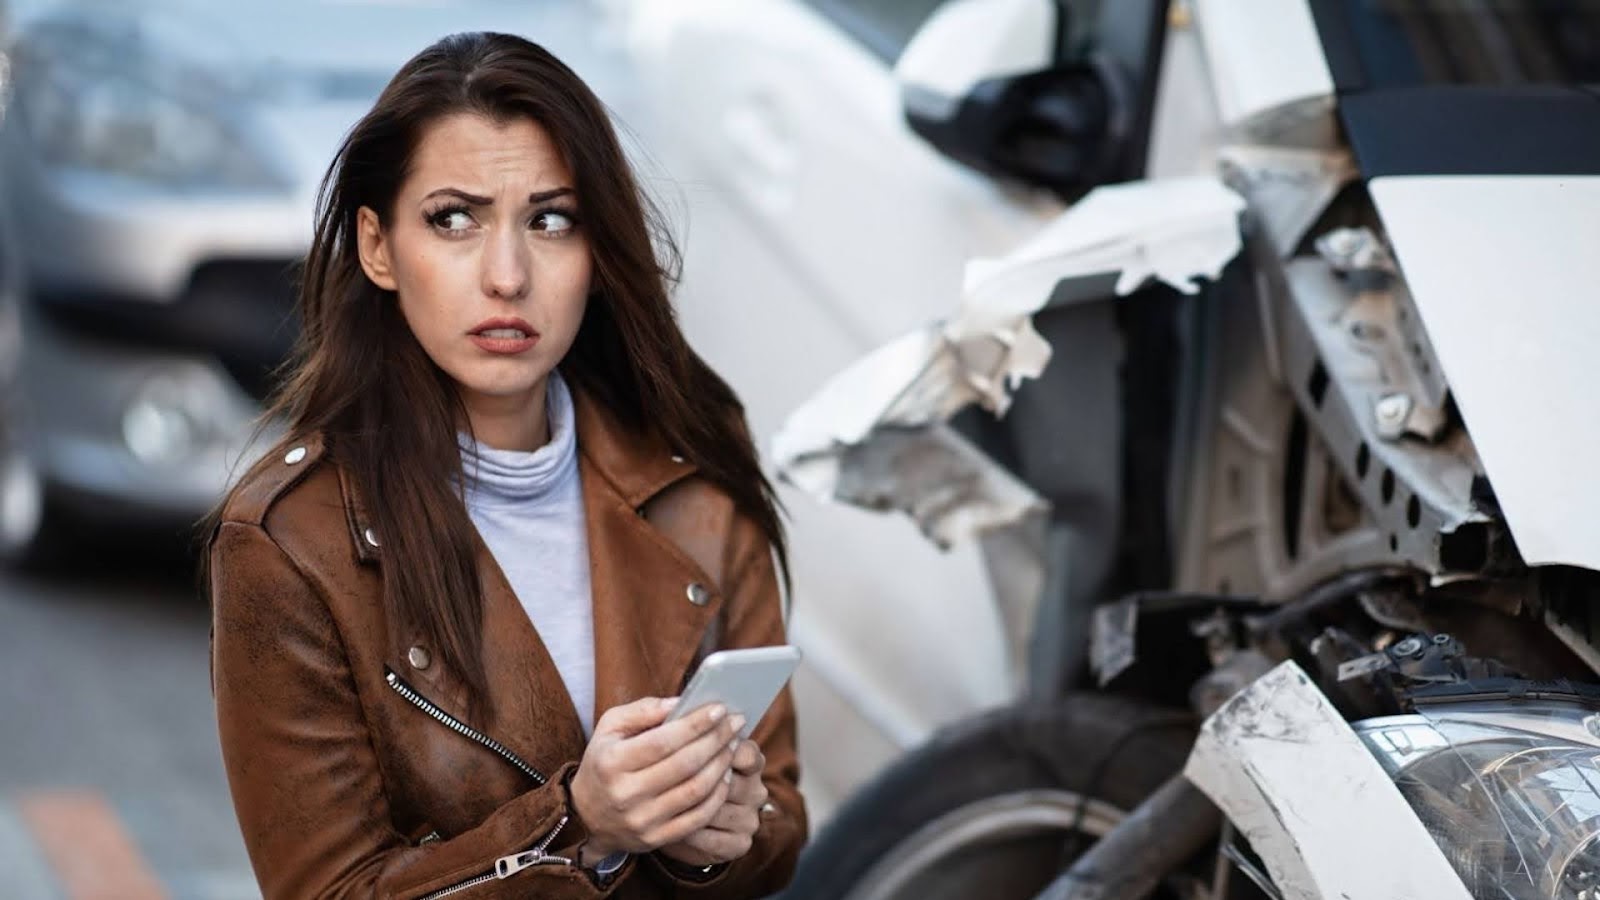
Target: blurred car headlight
[
  {"x": 1509, "y": 790},
  {"x": 176, "y": 414},
  {"x": 96, "y": 98}
]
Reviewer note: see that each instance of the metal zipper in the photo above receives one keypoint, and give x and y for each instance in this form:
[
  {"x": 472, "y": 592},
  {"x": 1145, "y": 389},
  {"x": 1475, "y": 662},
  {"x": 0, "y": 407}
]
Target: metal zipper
[
  {"x": 458, "y": 726},
  {"x": 507, "y": 866}
]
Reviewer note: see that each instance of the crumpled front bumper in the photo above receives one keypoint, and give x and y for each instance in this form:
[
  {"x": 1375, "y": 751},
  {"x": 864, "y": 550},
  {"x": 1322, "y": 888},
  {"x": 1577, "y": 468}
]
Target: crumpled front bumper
[{"x": 1489, "y": 790}]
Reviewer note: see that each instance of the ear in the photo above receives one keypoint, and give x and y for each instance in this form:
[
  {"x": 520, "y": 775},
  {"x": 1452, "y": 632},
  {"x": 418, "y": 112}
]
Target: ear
[{"x": 373, "y": 247}]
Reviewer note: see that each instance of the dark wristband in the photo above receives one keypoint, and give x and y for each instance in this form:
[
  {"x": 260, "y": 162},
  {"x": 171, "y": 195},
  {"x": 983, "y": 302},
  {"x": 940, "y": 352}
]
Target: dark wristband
[{"x": 690, "y": 873}]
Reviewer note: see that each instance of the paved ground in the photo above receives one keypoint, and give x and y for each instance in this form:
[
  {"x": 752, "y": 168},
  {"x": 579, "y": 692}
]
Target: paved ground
[{"x": 111, "y": 781}]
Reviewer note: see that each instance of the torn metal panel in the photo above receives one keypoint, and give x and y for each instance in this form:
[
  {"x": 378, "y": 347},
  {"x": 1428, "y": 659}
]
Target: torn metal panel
[
  {"x": 1175, "y": 230},
  {"x": 1288, "y": 187},
  {"x": 948, "y": 486},
  {"x": 1377, "y": 390},
  {"x": 1347, "y": 833},
  {"x": 952, "y": 490},
  {"x": 874, "y": 435},
  {"x": 1113, "y": 638}
]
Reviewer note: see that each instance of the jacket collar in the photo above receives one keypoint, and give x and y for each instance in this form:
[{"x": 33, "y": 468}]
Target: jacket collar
[{"x": 635, "y": 465}]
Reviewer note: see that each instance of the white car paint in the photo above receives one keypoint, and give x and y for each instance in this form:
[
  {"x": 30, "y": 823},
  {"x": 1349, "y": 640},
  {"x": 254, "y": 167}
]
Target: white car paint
[
  {"x": 1504, "y": 272},
  {"x": 968, "y": 41},
  {"x": 815, "y": 227},
  {"x": 1264, "y": 54}
]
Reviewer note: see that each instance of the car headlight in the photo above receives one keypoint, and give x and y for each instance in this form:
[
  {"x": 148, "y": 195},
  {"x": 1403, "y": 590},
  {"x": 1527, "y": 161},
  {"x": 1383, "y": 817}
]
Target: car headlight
[
  {"x": 94, "y": 98},
  {"x": 1509, "y": 790}
]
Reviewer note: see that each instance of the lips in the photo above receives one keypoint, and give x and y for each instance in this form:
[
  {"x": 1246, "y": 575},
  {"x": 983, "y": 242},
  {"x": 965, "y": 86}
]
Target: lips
[{"x": 504, "y": 336}]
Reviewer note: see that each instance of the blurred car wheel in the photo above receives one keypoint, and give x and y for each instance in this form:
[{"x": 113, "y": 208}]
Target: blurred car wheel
[
  {"x": 996, "y": 806},
  {"x": 32, "y": 530}
]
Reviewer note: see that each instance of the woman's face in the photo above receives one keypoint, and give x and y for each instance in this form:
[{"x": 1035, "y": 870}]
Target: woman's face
[{"x": 486, "y": 254}]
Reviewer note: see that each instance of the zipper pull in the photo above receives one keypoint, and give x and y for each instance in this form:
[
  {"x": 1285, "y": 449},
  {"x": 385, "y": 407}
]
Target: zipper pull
[{"x": 506, "y": 866}]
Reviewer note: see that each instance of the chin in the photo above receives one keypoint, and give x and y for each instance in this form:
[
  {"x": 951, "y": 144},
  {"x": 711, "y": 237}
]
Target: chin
[{"x": 503, "y": 384}]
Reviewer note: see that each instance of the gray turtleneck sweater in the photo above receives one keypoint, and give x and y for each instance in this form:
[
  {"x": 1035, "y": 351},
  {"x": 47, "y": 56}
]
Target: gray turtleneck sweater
[{"x": 529, "y": 509}]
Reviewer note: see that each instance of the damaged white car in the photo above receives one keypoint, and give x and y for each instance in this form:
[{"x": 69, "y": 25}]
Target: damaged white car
[{"x": 1280, "y": 467}]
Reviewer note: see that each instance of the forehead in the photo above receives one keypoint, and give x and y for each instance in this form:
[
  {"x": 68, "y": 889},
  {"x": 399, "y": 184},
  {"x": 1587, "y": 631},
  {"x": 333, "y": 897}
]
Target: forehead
[{"x": 471, "y": 151}]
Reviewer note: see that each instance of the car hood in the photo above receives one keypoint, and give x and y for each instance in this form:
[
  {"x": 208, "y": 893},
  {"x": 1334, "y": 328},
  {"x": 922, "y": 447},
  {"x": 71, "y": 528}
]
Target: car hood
[{"x": 1505, "y": 270}]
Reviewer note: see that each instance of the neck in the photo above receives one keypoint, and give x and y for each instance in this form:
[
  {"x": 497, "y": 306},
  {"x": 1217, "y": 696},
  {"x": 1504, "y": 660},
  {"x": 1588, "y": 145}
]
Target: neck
[{"x": 518, "y": 422}]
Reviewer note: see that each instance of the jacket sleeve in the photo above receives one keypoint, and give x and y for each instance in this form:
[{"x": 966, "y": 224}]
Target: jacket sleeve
[
  {"x": 753, "y": 614},
  {"x": 305, "y": 779}
]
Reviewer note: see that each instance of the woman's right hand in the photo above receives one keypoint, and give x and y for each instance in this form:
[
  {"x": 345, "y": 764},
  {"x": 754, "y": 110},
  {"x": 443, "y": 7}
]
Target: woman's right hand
[{"x": 644, "y": 782}]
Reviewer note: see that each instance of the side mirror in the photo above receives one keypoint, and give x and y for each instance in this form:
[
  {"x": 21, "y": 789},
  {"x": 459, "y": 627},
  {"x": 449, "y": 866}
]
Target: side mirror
[{"x": 980, "y": 82}]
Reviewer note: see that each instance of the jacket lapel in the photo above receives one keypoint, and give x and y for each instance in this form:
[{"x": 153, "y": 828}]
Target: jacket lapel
[{"x": 646, "y": 629}]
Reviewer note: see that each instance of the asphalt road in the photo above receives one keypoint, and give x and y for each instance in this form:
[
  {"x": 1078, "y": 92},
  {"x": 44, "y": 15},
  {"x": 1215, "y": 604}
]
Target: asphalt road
[{"x": 111, "y": 781}]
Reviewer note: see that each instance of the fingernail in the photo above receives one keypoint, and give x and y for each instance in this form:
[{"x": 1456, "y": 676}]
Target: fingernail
[
  {"x": 727, "y": 777},
  {"x": 717, "y": 712},
  {"x": 737, "y": 723},
  {"x": 669, "y": 703},
  {"x": 733, "y": 745}
]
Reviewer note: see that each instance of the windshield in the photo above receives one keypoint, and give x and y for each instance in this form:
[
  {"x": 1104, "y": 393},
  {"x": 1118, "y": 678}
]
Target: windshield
[{"x": 1405, "y": 43}]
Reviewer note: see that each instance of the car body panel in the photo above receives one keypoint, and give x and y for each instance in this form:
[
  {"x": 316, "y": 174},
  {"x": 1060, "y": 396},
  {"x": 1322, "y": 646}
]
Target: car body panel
[{"x": 1504, "y": 271}]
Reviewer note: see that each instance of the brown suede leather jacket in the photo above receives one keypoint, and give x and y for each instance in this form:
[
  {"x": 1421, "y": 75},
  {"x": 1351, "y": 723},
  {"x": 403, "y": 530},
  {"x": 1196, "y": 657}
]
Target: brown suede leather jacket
[{"x": 354, "y": 767}]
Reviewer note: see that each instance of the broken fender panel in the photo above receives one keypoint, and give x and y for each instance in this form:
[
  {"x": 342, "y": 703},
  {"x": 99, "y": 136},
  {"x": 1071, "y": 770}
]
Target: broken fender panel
[
  {"x": 875, "y": 435},
  {"x": 1174, "y": 230}
]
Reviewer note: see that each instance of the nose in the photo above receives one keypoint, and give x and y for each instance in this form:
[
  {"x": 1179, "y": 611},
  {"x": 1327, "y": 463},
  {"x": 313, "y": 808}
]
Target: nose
[{"x": 506, "y": 266}]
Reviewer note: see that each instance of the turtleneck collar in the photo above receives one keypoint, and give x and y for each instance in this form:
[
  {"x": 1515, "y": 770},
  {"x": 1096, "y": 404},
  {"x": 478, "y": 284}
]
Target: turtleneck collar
[{"x": 517, "y": 476}]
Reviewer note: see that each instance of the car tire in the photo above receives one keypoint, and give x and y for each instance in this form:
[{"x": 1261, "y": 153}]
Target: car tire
[
  {"x": 996, "y": 806},
  {"x": 33, "y": 530}
]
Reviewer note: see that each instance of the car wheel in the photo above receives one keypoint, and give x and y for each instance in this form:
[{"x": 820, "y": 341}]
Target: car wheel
[
  {"x": 997, "y": 806},
  {"x": 32, "y": 535}
]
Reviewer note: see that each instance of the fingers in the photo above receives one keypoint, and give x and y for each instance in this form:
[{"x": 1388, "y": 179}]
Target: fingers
[
  {"x": 689, "y": 760},
  {"x": 736, "y": 817},
  {"x": 633, "y": 718},
  {"x": 748, "y": 759},
  {"x": 675, "y": 828},
  {"x": 712, "y": 778},
  {"x": 747, "y": 790},
  {"x": 653, "y": 746},
  {"x": 720, "y": 845}
]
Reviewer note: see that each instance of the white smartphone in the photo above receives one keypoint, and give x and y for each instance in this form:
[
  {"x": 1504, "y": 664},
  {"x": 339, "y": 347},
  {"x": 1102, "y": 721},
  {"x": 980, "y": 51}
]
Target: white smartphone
[{"x": 745, "y": 681}]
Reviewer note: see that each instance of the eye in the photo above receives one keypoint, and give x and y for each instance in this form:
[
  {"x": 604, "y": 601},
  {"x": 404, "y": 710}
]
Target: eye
[
  {"x": 452, "y": 219},
  {"x": 555, "y": 222}
]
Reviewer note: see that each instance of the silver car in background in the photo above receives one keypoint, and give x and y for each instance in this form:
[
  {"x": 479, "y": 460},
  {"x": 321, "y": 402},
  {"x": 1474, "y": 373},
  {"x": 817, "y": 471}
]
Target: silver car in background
[{"x": 159, "y": 163}]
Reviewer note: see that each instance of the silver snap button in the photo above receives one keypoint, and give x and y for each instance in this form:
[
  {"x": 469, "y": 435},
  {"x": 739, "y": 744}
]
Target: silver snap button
[
  {"x": 371, "y": 536},
  {"x": 419, "y": 658},
  {"x": 295, "y": 455},
  {"x": 697, "y": 594},
  {"x": 676, "y": 458},
  {"x": 768, "y": 810}
]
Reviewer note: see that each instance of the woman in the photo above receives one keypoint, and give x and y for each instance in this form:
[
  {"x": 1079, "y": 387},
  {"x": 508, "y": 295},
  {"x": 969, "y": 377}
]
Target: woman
[{"x": 512, "y": 512}]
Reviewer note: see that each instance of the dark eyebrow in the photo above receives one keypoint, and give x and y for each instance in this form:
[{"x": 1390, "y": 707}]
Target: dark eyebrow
[
  {"x": 476, "y": 200},
  {"x": 461, "y": 195},
  {"x": 542, "y": 196}
]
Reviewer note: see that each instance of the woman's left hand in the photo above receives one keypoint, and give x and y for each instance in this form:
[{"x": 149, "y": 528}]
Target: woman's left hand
[{"x": 733, "y": 829}]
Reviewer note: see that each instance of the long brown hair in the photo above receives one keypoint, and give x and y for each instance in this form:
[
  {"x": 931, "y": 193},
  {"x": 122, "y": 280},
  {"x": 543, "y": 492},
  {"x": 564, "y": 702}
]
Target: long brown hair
[{"x": 389, "y": 415}]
